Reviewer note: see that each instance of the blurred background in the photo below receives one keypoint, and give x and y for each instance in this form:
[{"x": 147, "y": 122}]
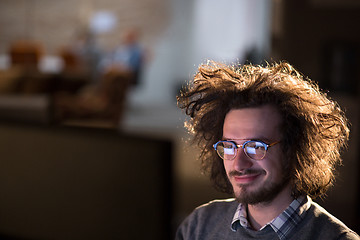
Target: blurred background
[{"x": 92, "y": 143}]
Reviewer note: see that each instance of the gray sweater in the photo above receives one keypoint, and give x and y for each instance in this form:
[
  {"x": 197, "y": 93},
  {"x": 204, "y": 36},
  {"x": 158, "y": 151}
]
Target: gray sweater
[{"x": 213, "y": 221}]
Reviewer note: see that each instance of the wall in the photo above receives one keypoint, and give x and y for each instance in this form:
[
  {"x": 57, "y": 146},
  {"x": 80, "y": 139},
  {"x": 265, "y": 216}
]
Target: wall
[
  {"x": 55, "y": 23},
  {"x": 178, "y": 34}
]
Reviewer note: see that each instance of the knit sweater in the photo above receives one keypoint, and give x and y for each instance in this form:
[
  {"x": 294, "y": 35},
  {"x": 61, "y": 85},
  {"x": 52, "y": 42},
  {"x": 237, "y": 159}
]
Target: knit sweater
[{"x": 213, "y": 221}]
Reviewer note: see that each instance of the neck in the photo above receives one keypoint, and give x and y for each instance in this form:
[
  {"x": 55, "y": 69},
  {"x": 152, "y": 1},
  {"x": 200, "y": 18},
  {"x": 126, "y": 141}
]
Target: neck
[{"x": 262, "y": 213}]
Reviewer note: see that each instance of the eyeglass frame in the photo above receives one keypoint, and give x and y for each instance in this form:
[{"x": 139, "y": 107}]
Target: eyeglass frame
[{"x": 237, "y": 146}]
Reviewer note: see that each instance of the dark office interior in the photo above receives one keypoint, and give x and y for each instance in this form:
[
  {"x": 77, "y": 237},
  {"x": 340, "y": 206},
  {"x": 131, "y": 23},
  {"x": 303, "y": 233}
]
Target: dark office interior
[{"x": 88, "y": 148}]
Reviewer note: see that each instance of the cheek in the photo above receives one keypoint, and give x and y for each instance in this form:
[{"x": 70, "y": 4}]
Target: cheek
[
  {"x": 227, "y": 166},
  {"x": 275, "y": 158},
  {"x": 274, "y": 168}
]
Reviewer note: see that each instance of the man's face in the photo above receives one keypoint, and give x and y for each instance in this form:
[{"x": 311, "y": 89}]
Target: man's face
[{"x": 256, "y": 181}]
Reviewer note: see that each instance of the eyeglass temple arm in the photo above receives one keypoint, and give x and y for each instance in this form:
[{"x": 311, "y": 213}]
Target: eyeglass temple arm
[{"x": 272, "y": 144}]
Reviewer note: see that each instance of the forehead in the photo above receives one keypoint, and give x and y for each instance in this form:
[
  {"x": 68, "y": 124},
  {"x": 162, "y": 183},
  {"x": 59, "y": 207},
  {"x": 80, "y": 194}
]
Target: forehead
[{"x": 253, "y": 123}]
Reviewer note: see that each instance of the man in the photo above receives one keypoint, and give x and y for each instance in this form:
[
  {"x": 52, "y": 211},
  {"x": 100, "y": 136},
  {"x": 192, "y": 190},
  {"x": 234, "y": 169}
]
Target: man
[
  {"x": 272, "y": 139},
  {"x": 128, "y": 58}
]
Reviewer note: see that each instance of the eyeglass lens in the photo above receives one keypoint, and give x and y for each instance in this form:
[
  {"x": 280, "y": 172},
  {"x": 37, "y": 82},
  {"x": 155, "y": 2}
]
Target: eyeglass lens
[{"x": 253, "y": 149}]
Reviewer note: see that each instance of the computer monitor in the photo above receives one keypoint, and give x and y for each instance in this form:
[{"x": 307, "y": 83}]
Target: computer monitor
[{"x": 83, "y": 183}]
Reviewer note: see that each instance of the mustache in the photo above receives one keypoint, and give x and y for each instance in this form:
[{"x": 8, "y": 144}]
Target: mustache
[{"x": 245, "y": 172}]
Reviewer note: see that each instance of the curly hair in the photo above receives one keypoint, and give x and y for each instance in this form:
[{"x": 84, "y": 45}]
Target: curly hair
[{"x": 314, "y": 128}]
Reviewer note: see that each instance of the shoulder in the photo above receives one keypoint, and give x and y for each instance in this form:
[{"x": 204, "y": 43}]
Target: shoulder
[
  {"x": 207, "y": 218},
  {"x": 326, "y": 224},
  {"x": 217, "y": 205},
  {"x": 215, "y": 208}
]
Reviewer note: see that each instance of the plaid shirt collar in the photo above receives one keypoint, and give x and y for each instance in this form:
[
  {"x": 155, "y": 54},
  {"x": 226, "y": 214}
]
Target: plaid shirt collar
[{"x": 282, "y": 224}]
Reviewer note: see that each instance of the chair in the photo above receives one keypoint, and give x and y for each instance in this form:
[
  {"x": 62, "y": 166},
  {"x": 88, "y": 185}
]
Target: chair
[{"x": 25, "y": 53}]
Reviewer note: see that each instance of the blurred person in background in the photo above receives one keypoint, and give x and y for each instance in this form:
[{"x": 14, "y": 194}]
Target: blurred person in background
[
  {"x": 128, "y": 57},
  {"x": 272, "y": 139},
  {"x": 83, "y": 55},
  {"x": 104, "y": 98}
]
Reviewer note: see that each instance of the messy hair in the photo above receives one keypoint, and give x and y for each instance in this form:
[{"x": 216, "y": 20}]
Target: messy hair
[{"x": 314, "y": 128}]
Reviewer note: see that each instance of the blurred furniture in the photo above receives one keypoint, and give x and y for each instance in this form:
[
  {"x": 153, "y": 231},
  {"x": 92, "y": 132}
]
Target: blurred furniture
[
  {"x": 26, "y": 53},
  {"x": 34, "y": 109},
  {"x": 78, "y": 183},
  {"x": 25, "y": 56},
  {"x": 71, "y": 61},
  {"x": 67, "y": 97},
  {"x": 105, "y": 101}
]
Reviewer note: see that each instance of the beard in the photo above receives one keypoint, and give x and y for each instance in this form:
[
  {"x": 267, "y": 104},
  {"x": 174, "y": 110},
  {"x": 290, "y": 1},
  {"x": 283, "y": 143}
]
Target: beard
[{"x": 263, "y": 194}]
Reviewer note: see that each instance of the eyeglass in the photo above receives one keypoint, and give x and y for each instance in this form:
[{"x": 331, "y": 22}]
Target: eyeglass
[{"x": 254, "y": 149}]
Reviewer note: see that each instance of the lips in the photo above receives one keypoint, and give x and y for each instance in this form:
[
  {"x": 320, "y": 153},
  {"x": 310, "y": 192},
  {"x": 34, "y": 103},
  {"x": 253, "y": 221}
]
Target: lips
[{"x": 246, "y": 177}]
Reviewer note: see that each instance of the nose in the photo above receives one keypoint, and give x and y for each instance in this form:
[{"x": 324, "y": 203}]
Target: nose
[{"x": 241, "y": 161}]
